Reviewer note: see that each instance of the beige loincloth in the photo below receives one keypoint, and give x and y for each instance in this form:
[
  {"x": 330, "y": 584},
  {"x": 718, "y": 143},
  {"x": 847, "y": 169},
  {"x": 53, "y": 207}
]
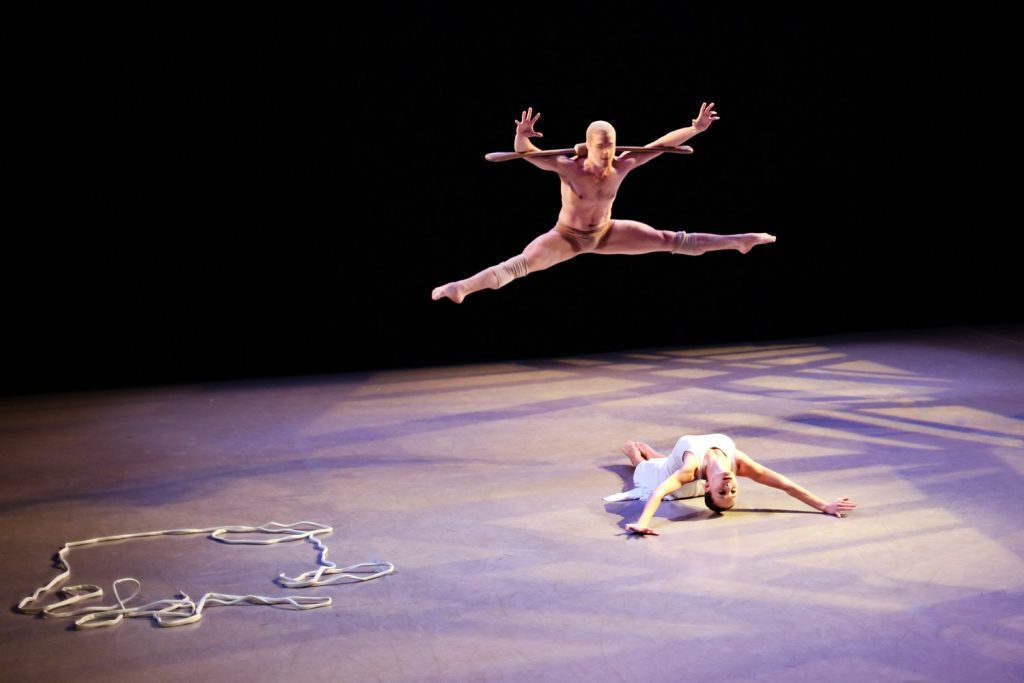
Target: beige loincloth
[{"x": 585, "y": 240}]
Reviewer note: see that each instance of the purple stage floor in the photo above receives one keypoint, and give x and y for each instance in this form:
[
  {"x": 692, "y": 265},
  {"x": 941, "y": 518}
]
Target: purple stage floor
[{"x": 483, "y": 484}]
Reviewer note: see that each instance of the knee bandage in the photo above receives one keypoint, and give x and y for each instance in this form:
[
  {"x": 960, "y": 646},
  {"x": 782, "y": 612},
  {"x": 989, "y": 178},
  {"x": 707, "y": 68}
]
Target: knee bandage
[
  {"x": 686, "y": 243},
  {"x": 509, "y": 270}
]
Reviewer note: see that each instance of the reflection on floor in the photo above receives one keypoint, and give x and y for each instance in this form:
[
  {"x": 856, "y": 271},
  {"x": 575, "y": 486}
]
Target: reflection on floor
[{"x": 483, "y": 485}]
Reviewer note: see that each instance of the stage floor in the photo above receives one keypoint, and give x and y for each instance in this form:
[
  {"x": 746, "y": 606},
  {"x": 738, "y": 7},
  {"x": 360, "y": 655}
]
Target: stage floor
[{"x": 483, "y": 484}]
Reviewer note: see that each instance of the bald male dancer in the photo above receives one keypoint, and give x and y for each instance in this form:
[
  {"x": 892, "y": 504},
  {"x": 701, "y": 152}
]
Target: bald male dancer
[{"x": 590, "y": 181}]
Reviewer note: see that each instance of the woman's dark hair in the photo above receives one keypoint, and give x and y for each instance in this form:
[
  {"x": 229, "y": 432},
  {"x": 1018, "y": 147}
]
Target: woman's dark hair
[{"x": 712, "y": 505}]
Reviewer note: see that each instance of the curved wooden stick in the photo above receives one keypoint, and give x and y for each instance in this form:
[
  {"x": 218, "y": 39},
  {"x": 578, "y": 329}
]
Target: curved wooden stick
[{"x": 508, "y": 156}]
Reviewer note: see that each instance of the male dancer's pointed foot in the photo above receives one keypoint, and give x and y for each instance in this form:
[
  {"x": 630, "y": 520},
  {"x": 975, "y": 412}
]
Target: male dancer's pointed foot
[
  {"x": 450, "y": 290},
  {"x": 751, "y": 239}
]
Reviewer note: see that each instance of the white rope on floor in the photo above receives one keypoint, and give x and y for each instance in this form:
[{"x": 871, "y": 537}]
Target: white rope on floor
[{"x": 183, "y": 609}]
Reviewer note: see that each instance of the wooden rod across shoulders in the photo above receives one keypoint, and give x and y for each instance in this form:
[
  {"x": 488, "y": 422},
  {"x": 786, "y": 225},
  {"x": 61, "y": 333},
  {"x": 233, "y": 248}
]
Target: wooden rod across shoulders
[{"x": 508, "y": 156}]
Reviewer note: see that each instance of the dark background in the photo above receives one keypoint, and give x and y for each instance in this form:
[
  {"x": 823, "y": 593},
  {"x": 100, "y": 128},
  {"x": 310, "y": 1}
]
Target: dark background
[{"x": 262, "y": 191}]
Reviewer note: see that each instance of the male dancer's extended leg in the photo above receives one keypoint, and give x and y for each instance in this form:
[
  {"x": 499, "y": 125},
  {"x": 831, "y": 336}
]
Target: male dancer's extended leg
[
  {"x": 543, "y": 252},
  {"x": 634, "y": 237}
]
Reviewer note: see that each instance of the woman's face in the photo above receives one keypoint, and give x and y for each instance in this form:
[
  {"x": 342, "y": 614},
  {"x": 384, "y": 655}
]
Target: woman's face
[{"x": 723, "y": 489}]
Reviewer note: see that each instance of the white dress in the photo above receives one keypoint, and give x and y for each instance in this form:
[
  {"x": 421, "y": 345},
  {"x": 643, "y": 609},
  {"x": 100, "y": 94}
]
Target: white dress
[{"x": 649, "y": 474}]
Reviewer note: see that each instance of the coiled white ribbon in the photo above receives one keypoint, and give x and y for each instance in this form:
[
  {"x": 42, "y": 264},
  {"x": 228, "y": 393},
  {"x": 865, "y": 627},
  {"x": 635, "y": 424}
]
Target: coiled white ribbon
[{"x": 183, "y": 609}]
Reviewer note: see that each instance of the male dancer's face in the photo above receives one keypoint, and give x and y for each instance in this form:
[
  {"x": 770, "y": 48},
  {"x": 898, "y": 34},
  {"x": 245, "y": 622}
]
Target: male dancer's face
[{"x": 601, "y": 144}]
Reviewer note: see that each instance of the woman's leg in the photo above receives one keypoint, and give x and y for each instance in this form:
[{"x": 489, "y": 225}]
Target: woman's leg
[{"x": 638, "y": 451}]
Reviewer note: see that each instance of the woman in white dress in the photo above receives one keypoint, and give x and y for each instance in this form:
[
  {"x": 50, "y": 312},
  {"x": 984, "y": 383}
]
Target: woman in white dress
[{"x": 705, "y": 465}]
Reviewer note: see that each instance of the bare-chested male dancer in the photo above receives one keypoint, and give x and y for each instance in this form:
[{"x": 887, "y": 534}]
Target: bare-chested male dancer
[{"x": 590, "y": 181}]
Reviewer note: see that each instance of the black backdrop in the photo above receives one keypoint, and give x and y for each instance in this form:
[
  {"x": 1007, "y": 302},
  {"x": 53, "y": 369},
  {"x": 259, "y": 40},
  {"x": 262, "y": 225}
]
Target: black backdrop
[{"x": 261, "y": 191}]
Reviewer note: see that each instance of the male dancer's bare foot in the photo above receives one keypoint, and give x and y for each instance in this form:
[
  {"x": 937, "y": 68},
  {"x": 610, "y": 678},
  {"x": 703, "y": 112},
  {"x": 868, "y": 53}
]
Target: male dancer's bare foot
[
  {"x": 450, "y": 290},
  {"x": 750, "y": 240}
]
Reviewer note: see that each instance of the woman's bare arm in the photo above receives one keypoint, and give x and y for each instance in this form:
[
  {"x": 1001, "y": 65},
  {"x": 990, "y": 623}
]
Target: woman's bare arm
[{"x": 748, "y": 467}]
